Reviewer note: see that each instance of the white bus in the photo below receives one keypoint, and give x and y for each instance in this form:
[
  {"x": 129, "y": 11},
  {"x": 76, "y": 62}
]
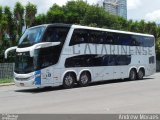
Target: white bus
[{"x": 62, "y": 54}]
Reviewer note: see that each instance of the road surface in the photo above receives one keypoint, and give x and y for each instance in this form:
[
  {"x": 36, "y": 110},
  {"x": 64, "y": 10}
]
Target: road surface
[{"x": 117, "y": 96}]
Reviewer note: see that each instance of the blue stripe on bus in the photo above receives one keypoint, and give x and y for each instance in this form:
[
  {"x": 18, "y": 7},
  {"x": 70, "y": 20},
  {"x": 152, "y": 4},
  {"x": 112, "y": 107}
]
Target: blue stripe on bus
[{"x": 38, "y": 77}]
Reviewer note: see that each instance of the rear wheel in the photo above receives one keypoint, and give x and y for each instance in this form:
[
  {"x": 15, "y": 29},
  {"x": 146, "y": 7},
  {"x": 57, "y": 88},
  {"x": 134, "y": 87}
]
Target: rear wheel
[
  {"x": 84, "y": 79},
  {"x": 140, "y": 74},
  {"x": 132, "y": 75},
  {"x": 69, "y": 80}
]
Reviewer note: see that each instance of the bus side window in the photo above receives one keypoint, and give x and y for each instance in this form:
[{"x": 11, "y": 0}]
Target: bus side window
[
  {"x": 55, "y": 34},
  {"x": 112, "y": 60},
  {"x": 79, "y": 36},
  {"x": 105, "y": 60},
  {"x": 123, "y": 60},
  {"x": 125, "y": 39},
  {"x": 95, "y": 37},
  {"x": 49, "y": 35},
  {"x": 136, "y": 40},
  {"x": 148, "y": 41},
  {"x": 108, "y": 38},
  {"x": 151, "y": 60}
]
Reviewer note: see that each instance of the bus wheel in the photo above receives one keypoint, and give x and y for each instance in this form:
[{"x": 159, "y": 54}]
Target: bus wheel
[
  {"x": 140, "y": 74},
  {"x": 69, "y": 80},
  {"x": 132, "y": 75},
  {"x": 84, "y": 79}
]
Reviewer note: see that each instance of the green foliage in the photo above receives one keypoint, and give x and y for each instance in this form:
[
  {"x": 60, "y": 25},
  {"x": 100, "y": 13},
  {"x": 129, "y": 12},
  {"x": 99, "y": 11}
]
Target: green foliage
[
  {"x": 31, "y": 11},
  {"x": 3, "y": 26},
  {"x": 158, "y": 48},
  {"x": 95, "y": 15},
  {"x": 55, "y": 14},
  {"x": 75, "y": 11},
  {"x": 6, "y": 81},
  {"x": 40, "y": 19},
  {"x": 18, "y": 15}
]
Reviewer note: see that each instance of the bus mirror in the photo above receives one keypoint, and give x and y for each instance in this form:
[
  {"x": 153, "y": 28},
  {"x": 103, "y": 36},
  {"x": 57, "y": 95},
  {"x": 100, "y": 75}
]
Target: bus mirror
[
  {"x": 8, "y": 50},
  {"x": 46, "y": 44},
  {"x": 56, "y": 43}
]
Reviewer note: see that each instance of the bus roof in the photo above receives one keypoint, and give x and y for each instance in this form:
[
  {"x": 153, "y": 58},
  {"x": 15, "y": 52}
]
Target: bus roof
[
  {"x": 55, "y": 24},
  {"x": 93, "y": 28},
  {"x": 111, "y": 30}
]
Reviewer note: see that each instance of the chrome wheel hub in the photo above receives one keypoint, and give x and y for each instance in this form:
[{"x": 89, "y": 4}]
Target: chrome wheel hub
[
  {"x": 84, "y": 79},
  {"x": 68, "y": 80}
]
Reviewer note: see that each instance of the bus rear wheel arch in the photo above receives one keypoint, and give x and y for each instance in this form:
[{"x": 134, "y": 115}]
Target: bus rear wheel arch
[
  {"x": 84, "y": 79},
  {"x": 141, "y": 74},
  {"x": 69, "y": 80}
]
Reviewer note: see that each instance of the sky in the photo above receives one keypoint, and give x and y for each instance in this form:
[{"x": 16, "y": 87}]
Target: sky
[{"x": 137, "y": 9}]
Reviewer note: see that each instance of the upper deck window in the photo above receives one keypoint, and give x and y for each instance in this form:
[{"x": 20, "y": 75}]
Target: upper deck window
[
  {"x": 43, "y": 34},
  {"x": 55, "y": 34},
  {"x": 31, "y": 36}
]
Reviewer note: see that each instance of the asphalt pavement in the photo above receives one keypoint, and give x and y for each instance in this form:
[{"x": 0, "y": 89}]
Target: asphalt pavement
[{"x": 116, "y": 96}]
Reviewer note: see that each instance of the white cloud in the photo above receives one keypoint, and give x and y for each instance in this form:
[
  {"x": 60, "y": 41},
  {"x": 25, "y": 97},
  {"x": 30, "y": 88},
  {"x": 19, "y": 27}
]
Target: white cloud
[
  {"x": 153, "y": 16},
  {"x": 133, "y": 4}
]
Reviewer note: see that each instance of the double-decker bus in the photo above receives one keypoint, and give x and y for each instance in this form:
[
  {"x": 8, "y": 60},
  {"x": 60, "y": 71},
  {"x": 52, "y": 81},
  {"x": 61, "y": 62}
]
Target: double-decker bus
[{"x": 62, "y": 54}]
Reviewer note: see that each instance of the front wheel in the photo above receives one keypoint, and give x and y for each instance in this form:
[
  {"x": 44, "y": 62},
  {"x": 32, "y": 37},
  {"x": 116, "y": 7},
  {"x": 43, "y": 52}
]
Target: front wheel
[
  {"x": 132, "y": 75},
  {"x": 69, "y": 80},
  {"x": 84, "y": 79}
]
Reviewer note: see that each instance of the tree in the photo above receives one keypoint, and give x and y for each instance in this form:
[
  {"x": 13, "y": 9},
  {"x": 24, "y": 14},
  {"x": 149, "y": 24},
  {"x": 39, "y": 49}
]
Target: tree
[
  {"x": 75, "y": 11},
  {"x": 1, "y": 14},
  {"x": 3, "y": 24},
  {"x": 95, "y": 15},
  {"x": 141, "y": 26},
  {"x": 98, "y": 16},
  {"x": 19, "y": 17},
  {"x": 10, "y": 30},
  {"x": 31, "y": 11},
  {"x": 55, "y": 14},
  {"x": 150, "y": 28},
  {"x": 158, "y": 48},
  {"x": 40, "y": 19},
  {"x": 158, "y": 32},
  {"x": 122, "y": 23}
]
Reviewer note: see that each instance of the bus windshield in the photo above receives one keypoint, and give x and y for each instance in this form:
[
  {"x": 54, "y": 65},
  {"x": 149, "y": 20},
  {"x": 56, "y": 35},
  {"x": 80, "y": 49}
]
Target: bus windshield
[
  {"x": 24, "y": 63},
  {"x": 31, "y": 36}
]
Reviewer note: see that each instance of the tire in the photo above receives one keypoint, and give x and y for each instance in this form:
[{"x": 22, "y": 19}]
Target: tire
[
  {"x": 69, "y": 80},
  {"x": 132, "y": 75},
  {"x": 84, "y": 79},
  {"x": 140, "y": 74}
]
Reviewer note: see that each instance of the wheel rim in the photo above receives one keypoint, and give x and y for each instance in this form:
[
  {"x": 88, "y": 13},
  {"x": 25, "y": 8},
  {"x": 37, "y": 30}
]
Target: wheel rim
[
  {"x": 84, "y": 79},
  {"x": 68, "y": 80}
]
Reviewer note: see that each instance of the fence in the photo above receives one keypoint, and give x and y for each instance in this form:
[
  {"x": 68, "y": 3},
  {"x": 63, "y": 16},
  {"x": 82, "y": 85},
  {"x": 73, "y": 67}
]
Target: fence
[{"x": 6, "y": 70}]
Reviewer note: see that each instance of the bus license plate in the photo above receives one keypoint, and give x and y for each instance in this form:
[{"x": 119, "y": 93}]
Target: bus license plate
[{"x": 21, "y": 84}]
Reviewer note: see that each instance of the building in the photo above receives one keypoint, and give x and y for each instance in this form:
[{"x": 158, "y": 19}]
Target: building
[{"x": 115, "y": 7}]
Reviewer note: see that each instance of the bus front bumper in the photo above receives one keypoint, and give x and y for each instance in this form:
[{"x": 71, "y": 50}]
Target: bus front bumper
[{"x": 27, "y": 83}]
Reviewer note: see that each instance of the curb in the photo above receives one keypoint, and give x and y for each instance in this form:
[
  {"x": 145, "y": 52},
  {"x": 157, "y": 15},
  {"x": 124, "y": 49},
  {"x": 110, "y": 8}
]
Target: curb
[{"x": 6, "y": 84}]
